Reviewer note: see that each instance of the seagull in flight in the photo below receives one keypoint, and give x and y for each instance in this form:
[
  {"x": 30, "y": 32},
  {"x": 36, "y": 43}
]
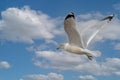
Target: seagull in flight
[{"x": 79, "y": 41}]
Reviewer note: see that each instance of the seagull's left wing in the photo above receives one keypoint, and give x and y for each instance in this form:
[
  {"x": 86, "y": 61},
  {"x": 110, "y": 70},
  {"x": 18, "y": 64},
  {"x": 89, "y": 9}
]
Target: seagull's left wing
[{"x": 90, "y": 32}]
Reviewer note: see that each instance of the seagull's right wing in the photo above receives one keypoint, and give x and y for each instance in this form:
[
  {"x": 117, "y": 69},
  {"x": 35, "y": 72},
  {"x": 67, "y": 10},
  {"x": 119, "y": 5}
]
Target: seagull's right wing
[
  {"x": 70, "y": 28},
  {"x": 90, "y": 32}
]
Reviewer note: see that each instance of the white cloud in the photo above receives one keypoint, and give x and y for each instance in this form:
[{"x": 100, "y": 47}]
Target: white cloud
[
  {"x": 107, "y": 67},
  {"x": 111, "y": 31},
  {"x": 117, "y": 73},
  {"x": 50, "y": 76},
  {"x": 87, "y": 77},
  {"x": 26, "y": 25},
  {"x": 58, "y": 60},
  {"x": 4, "y": 65},
  {"x": 73, "y": 62}
]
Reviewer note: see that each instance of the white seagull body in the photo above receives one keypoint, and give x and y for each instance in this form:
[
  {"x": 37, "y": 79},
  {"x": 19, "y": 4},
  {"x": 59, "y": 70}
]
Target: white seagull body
[{"x": 79, "y": 41}]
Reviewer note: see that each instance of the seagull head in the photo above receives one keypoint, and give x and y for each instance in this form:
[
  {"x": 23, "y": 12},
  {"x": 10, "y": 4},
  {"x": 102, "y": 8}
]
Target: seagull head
[
  {"x": 70, "y": 15},
  {"x": 62, "y": 46}
]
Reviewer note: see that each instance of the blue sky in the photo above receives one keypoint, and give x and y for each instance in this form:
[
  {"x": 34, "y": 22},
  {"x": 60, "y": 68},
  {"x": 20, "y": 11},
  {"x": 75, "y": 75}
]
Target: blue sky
[{"x": 31, "y": 30}]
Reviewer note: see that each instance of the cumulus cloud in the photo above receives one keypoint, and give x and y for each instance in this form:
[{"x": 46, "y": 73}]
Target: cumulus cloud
[
  {"x": 68, "y": 61},
  {"x": 108, "y": 67},
  {"x": 87, "y": 77},
  {"x": 4, "y": 65},
  {"x": 26, "y": 25},
  {"x": 111, "y": 31},
  {"x": 57, "y": 60},
  {"x": 117, "y": 73},
  {"x": 50, "y": 76}
]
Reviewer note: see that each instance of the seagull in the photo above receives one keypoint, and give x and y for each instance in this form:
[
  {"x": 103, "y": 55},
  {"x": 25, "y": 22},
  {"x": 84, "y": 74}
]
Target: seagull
[{"x": 79, "y": 41}]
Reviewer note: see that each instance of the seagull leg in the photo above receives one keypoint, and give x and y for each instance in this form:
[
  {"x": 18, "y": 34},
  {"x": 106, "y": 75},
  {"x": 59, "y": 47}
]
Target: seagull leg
[{"x": 90, "y": 57}]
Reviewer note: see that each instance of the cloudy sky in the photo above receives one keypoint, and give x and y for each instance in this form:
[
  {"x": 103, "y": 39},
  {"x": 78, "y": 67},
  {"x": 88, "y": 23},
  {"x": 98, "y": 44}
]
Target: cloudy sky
[{"x": 30, "y": 32}]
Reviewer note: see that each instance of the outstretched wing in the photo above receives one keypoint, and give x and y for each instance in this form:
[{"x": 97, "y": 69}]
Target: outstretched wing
[
  {"x": 90, "y": 32},
  {"x": 72, "y": 32}
]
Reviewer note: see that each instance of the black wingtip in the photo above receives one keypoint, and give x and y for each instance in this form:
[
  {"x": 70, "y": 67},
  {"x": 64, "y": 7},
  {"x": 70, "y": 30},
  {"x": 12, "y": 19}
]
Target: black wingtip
[
  {"x": 110, "y": 17},
  {"x": 71, "y": 14}
]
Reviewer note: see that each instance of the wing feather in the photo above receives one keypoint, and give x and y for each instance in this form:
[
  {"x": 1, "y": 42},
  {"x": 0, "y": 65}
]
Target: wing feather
[
  {"x": 90, "y": 32},
  {"x": 72, "y": 32}
]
